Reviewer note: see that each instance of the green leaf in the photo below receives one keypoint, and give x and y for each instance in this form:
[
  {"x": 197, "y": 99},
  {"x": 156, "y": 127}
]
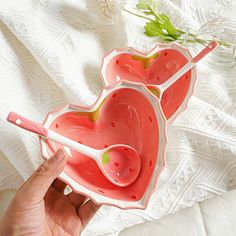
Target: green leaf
[
  {"x": 152, "y": 29},
  {"x": 142, "y": 6},
  {"x": 147, "y": 4},
  {"x": 166, "y": 24}
]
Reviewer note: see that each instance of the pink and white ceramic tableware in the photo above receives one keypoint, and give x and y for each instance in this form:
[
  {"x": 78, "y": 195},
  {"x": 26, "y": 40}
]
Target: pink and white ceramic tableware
[
  {"x": 124, "y": 113},
  {"x": 154, "y": 69},
  {"x": 119, "y": 163},
  {"x": 142, "y": 93}
]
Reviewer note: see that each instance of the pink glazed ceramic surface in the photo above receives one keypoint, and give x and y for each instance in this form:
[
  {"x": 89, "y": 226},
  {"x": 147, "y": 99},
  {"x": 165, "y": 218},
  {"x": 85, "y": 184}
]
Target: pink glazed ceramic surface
[
  {"x": 154, "y": 67},
  {"x": 125, "y": 113}
]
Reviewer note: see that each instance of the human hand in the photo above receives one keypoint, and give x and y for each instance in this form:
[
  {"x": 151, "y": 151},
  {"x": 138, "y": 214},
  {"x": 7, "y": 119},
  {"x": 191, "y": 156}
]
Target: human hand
[{"x": 41, "y": 208}]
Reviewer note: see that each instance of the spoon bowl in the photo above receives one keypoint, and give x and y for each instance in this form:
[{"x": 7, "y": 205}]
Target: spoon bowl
[{"x": 121, "y": 164}]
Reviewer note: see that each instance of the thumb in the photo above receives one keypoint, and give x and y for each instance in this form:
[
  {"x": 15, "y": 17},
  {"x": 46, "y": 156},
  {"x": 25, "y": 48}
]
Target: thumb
[{"x": 35, "y": 188}]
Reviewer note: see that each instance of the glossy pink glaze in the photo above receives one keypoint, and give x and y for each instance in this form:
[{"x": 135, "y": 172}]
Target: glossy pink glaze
[
  {"x": 125, "y": 117},
  {"x": 24, "y": 123},
  {"x": 121, "y": 164},
  {"x": 155, "y": 69}
]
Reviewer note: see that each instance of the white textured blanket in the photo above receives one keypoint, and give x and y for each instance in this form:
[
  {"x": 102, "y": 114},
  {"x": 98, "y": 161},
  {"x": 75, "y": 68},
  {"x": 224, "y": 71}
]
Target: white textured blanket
[{"x": 50, "y": 54}]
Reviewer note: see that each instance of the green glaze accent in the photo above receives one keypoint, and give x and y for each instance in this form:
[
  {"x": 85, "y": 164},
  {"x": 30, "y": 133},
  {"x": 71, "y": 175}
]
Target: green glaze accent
[
  {"x": 154, "y": 91},
  {"x": 105, "y": 158},
  {"x": 146, "y": 61},
  {"x": 94, "y": 115}
]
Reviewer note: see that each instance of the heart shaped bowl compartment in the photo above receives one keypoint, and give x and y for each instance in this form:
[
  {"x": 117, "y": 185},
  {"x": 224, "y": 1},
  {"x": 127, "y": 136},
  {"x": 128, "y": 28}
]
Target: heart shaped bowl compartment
[
  {"x": 154, "y": 67},
  {"x": 125, "y": 113}
]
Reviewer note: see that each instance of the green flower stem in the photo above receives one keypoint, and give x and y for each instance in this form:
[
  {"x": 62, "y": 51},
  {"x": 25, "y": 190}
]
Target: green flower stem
[
  {"x": 153, "y": 12},
  {"x": 135, "y": 14}
]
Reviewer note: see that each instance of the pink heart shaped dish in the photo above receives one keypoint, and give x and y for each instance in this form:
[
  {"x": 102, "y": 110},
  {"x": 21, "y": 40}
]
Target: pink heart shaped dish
[
  {"x": 154, "y": 67},
  {"x": 125, "y": 113}
]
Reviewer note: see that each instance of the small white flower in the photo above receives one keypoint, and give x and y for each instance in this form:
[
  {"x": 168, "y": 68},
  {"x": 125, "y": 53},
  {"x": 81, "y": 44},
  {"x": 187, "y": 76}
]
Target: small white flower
[{"x": 107, "y": 11}]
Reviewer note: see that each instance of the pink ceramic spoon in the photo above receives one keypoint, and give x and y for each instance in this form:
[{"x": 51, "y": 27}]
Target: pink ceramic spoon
[
  {"x": 119, "y": 163},
  {"x": 162, "y": 87}
]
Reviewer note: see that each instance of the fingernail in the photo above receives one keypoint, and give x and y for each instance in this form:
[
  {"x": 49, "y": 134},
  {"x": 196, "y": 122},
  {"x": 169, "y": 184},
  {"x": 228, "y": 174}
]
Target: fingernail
[{"x": 59, "y": 155}]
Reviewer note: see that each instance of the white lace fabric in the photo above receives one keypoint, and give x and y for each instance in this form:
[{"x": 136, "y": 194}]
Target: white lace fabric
[{"x": 50, "y": 54}]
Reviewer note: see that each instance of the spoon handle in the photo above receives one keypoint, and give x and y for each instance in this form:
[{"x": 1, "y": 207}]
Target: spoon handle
[
  {"x": 27, "y": 124},
  {"x": 36, "y": 128},
  {"x": 81, "y": 148},
  {"x": 210, "y": 47}
]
